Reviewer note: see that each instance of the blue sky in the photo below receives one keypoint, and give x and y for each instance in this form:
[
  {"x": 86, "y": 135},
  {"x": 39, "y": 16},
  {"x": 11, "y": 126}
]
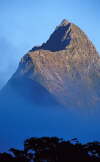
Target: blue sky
[{"x": 25, "y": 23}]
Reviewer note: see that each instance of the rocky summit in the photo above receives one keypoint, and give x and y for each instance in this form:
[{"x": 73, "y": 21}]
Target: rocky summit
[
  {"x": 67, "y": 67},
  {"x": 54, "y": 92}
]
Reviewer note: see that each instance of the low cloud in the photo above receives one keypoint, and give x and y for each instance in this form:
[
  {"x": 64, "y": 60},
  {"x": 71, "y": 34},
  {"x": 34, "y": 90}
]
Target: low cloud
[{"x": 8, "y": 60}]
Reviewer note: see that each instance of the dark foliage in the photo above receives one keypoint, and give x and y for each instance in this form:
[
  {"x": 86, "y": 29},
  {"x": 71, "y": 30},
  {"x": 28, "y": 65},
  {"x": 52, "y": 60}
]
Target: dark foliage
[{"x": 53, "y": 149}]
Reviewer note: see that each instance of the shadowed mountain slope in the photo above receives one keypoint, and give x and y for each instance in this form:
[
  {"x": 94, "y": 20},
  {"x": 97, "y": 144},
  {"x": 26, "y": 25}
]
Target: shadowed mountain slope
[
  {"x": 67, "y": 66},
  {"x": 52, "y": 85}
]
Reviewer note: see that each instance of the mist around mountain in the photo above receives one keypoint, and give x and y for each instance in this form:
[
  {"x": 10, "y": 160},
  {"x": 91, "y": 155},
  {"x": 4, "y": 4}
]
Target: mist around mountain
[
  {"x": 54, "y": 92},
  {"x": 67, "y": 65}
]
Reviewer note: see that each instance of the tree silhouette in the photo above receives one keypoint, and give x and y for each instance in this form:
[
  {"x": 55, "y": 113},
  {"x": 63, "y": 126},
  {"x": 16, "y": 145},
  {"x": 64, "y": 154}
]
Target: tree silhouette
[{"x": 53, "y": 149}]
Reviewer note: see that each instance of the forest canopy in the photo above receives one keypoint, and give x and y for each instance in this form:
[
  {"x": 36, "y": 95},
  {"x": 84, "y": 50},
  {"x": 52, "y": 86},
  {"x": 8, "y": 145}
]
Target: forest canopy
[{"x": 53, "y": 149}]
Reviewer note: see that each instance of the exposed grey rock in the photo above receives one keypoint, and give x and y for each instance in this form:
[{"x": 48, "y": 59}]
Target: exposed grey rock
[{"x": 67, "y": 66}]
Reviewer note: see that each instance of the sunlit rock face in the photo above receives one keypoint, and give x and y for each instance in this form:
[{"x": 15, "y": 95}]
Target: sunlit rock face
[
  {"x": 67, "y": 66},
  {"x": 53, "y": 85}
]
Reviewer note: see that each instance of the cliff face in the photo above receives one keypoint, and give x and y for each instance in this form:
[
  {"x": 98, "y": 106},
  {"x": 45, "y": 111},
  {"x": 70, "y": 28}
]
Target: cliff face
[
  {"x": 62, "y": 74},
  {"x": 67, "y": 66}
]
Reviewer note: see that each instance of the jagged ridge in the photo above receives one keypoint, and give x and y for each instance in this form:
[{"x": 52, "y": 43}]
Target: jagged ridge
[{"x": 67, "y": 65}]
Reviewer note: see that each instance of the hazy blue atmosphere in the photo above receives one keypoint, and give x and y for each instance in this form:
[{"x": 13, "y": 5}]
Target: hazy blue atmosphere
[{"x": 25, "y": 23}]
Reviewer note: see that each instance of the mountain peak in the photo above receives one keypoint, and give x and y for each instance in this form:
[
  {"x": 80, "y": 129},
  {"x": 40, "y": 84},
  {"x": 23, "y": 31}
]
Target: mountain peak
[
  {"x": 59, "y": 39},
  {"x": 67, "y": 66},
  {"x": 67, "y": 36},
  {"x": 64, "y": 22}
]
